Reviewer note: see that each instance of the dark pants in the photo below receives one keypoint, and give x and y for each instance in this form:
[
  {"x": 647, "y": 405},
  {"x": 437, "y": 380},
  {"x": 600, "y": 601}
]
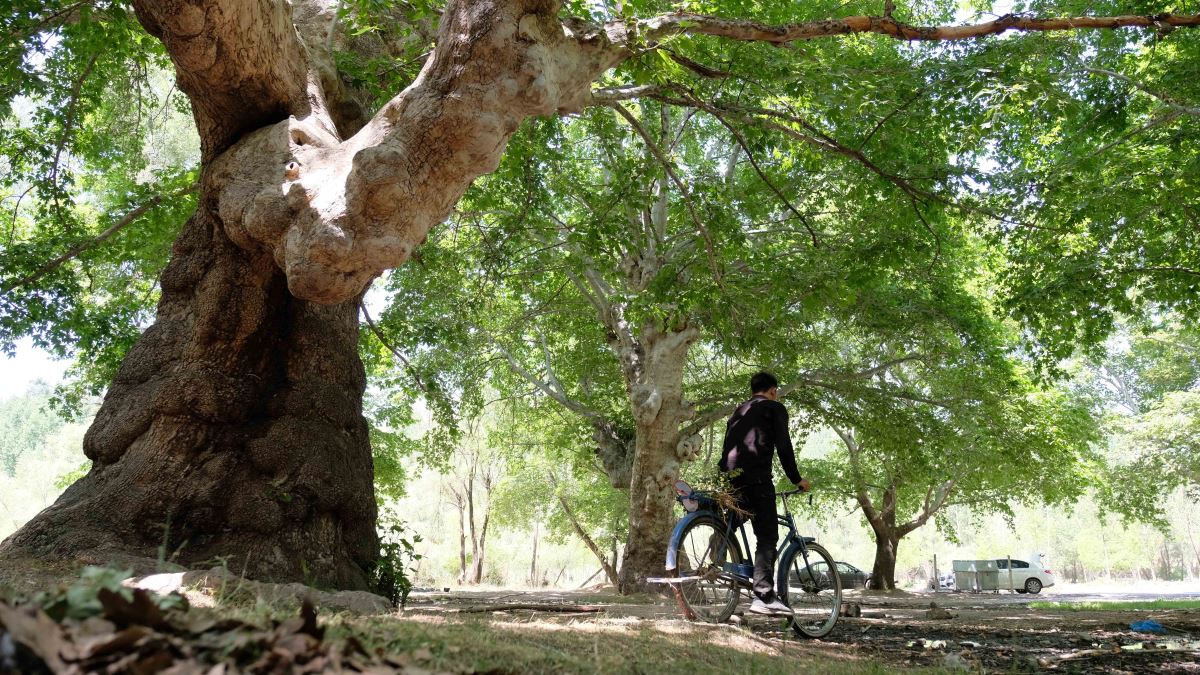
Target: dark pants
[{"x": 759, "y": 499}]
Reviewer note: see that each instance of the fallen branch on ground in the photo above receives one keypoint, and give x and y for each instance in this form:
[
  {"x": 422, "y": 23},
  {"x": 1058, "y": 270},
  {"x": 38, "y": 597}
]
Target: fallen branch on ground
[{"x": 583, "y": 609}]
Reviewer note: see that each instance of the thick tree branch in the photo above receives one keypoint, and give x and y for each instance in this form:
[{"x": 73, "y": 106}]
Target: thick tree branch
[
  {"x": 677, "y": 23},
  {"x": 334, "y": 214},
  {"x": 935, "y": 499},
  {"x": 860, "y": 488},
  {"x": 107, "y": 234},
  {"x": 607, "y": 95},
  {"x": 240, "y": 62}
]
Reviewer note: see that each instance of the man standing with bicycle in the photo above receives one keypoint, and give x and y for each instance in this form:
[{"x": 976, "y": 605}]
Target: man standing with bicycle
[{"x": 756, "y": 431}]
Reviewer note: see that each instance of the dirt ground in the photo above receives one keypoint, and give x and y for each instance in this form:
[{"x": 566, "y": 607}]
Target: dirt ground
[{"x": 985, "y": 632}]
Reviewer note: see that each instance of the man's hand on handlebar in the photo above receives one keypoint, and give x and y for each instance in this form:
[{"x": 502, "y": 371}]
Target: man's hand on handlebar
[{"x": 803, "y": 485}]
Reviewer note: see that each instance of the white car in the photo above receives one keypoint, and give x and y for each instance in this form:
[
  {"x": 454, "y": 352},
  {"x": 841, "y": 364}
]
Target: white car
[{"x": 1027, "y": 577}]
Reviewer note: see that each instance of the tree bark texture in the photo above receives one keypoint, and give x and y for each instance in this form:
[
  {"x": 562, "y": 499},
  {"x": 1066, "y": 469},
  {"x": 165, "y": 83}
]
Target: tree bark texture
[
  {"x": 236, "y": 424},
  {"x": 537, "y": 531},
  {"x": 883, "y": 572},
  {"x": 887, "y": 540},
  {"x": 335, "y": 213}
]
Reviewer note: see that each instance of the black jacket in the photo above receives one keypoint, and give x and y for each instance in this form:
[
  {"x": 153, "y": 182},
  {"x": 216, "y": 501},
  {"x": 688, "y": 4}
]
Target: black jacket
[{"x": 757, "y": 429}]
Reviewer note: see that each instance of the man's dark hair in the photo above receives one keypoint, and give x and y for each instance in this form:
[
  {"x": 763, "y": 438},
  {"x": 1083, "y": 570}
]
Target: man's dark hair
[{"x": 762, "y": 381}]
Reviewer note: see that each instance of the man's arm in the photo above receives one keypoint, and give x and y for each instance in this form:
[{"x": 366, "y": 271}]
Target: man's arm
[{"x": 783, "y": 443}]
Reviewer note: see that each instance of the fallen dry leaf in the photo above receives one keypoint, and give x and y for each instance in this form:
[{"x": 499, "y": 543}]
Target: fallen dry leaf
[
  {"x": 141, "y": 610},
  {"x": 39, "y": 633}
]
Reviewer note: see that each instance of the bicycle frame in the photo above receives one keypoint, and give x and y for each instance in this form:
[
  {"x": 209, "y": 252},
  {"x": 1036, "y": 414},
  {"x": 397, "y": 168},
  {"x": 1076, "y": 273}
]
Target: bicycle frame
[
  {"x": 682, "y": 525},
  {"x": 705, "y": 543},
  {"x": 786, "y": 519}
]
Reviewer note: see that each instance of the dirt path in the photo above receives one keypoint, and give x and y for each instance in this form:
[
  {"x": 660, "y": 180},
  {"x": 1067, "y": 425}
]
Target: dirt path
[{"x": 992, "y": 633}]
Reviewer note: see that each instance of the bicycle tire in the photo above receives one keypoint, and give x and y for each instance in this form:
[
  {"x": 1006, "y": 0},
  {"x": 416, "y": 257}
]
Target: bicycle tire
[
  {"x": 714, "y": 598},
  {"x": 814, "y": 595}
]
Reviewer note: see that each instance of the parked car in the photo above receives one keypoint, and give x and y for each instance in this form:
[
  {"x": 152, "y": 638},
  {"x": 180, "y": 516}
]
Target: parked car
[
  {"x": 1027, "y": 577},
  {"x": 851, "y": 576}
]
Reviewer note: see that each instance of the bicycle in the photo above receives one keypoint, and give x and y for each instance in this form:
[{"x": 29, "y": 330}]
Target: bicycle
[{"x": 709, "y": 569}]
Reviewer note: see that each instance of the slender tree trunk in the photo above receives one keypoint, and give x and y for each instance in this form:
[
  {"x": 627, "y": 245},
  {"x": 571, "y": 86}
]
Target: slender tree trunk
[
  {"x": 235, "y": 423},
  {"x": 462, "y": 547},
  {"x": 1104, "y": 550},
  {"x": 469, "y": 491},
  {"x": 537, "y": 530},
  {"x": 480, "y": 550}
]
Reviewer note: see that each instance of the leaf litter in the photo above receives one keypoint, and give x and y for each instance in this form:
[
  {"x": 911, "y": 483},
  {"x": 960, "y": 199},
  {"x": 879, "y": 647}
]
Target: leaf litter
[{"x": 99, "y": 627}]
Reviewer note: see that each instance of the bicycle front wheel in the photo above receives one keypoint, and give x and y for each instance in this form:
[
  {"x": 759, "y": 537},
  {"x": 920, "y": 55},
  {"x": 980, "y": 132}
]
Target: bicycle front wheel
[
  {"x": 809, "y": 583},
  {"x": 708, "y": 592}
]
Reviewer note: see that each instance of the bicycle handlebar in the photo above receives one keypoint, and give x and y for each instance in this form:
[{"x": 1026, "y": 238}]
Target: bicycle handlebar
[{"x": 796, "y": 491}]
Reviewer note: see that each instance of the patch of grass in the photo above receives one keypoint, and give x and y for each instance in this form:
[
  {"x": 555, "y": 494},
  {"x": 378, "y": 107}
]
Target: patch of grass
[
  {"x": 1116, "y": 606},
  {"x": 479, "y": 644}
]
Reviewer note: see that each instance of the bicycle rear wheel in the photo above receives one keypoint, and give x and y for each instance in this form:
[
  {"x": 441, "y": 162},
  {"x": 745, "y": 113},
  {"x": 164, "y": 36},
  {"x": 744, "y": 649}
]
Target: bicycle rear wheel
[
  {"x": 710, "y": 593},
  {"x": 810, "y": 585}
]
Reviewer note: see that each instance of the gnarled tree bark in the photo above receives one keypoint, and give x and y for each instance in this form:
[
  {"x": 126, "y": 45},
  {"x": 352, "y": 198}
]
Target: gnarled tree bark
[{"x": 236, "y": 423}]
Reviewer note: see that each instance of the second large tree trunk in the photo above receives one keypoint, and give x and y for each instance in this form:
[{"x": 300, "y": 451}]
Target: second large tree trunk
[
  {"x": 659, "y": 410},
  {"x": 233, "y": 430}
]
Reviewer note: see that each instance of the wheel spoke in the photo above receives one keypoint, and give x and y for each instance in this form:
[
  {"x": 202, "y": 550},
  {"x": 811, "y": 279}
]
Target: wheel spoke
[
  {"x": 700, "y": 553},
  {"x": 813, "y": 591}
]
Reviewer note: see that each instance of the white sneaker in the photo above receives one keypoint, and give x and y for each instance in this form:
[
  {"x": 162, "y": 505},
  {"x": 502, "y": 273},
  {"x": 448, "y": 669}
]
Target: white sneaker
[{"x": 773, "y": 608}]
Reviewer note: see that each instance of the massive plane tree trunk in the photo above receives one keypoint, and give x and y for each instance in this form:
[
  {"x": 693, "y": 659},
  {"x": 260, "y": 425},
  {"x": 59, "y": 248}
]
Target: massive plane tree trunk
[{"x": 234, "y": 427}]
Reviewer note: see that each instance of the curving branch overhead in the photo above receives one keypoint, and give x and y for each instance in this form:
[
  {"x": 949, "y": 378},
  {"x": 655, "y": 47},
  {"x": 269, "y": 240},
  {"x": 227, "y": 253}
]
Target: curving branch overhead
[
  {"x": 335, "y": 210},
  {"x": 734, "y": 29}
]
